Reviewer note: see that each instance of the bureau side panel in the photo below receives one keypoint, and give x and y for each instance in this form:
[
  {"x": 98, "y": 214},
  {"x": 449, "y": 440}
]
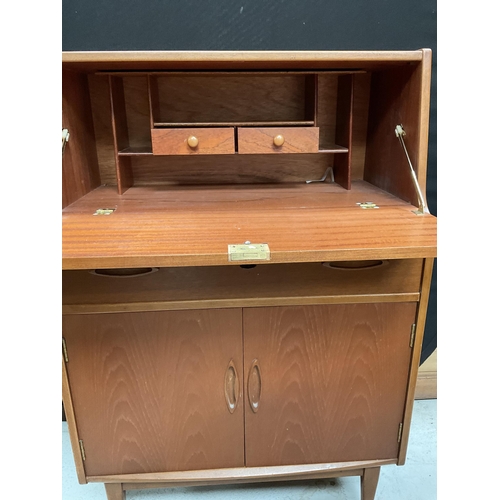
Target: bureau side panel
[{"x": 80, "y": 171}]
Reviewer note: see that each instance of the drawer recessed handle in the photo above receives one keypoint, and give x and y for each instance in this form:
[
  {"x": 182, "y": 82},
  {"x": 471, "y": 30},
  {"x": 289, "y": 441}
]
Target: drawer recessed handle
[
  {"x": 192, "y": 141},
  {"x": 254, "y": 386},
  {"x": 124, "y": 273},
  {"x": 355, "y": 265},
  {"x": 279, "y": 140},
  {"x": 231, "y": 387}
]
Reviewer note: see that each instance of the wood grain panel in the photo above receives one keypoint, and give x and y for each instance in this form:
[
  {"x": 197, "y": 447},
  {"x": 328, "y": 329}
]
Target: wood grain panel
[
  {"x": 193, "y": 226},
  {"x": 224, "y": 98},
  {"x": 174, "y": 141},
  {"x": 148, "y": 390},
  {"x": 327, "y": 109},
  {"x": 72, "y": 428},
  {"x": 121, "y": 141},
  {"x": 260, "y": 140},
  {"x": 333, "y": 382},
  {"x": 137, "y": 110},
  {"x": 311, "y": 98},
  {"x": 101, "y": 112},
  {"x": 241, "y": 474},
  {"x": 343, "y": 130},
  {"x": 397, "y": 98},
  {"x": 245, "y": 60},
  {"x": 80, "y": 171},
  {"x": 360, "y": 124},
  {"x": 233, "y": 286},
  {"x": 228, "y": 169},
  {"x": 417, "y": 351}
]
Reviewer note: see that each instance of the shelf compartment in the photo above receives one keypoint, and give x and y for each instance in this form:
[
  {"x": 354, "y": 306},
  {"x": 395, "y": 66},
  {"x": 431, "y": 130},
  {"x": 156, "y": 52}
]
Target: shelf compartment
[
  {"x": 231, "y": 99},
  {"x": 237, "y": 169},
  {"x": 136, "y": 151},
  {"x": 147, "y": 151}
]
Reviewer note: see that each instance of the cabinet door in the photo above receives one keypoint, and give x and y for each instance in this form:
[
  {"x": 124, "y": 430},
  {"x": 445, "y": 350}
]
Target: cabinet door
[
  {"x": 325, "y": 383},
  {"x": 157, "y": 391}
]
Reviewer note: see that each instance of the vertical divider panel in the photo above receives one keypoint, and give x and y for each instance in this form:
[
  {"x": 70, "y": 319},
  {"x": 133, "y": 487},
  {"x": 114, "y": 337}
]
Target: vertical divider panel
[
  {"x": 153, "y": 100},
  {"x": 124, "y": 175},
  {"x": 311, "y": 99},
  {"x": 343, "y": 134}
]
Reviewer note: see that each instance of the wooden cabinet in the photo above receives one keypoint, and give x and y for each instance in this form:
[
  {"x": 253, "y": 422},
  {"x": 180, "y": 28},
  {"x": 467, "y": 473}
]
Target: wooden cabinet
[{"x": 246, "y": 264}]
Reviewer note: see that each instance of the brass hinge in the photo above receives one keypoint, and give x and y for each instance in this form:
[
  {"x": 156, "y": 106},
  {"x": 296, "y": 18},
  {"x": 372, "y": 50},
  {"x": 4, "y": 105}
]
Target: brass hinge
[
  {"x": 65, "y": 351},
  {"x": 65, "y": 138},
  {"x": 412, "y": 335},
  {"x": 367, "y": 205},
  {"x": 400, "y": 432},
  {"x": 82, "y": 449}
]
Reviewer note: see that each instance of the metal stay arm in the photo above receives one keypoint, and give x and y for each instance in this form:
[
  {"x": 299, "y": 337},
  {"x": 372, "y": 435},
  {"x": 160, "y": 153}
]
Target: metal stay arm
[{"x": 422, "y": 207}]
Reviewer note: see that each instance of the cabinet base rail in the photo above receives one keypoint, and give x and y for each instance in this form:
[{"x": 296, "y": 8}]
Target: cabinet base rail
[{"x": 368, "y": 470}]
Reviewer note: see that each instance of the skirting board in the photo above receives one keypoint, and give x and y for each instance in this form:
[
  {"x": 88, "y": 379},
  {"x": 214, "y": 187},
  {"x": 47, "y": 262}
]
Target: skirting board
[{"x": 426, "y": 387}]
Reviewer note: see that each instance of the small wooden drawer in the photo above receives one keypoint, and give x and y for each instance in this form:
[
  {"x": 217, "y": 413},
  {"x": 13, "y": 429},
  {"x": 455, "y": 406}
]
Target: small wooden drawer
[
  {"x": 278, "y": 140},
  {"x": 193, "y": 141}
]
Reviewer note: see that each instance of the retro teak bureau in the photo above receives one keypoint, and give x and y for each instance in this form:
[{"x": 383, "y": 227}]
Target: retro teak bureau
[{"x": 247, "y": 256}]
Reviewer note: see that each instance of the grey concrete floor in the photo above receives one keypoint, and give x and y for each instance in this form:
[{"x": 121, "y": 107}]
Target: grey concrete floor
[{"x": 416, "y": 480}]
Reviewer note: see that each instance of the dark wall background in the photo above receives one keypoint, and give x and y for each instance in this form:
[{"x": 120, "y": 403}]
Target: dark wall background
[{"x": 264, "y": 25}]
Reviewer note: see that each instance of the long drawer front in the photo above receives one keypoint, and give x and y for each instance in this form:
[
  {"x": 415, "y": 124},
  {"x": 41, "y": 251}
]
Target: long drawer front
[{"x": 116, "y": 290}]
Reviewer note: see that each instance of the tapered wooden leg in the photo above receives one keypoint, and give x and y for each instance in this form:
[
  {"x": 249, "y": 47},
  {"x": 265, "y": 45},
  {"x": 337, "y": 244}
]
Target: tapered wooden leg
[
  {"x": 114, "y": 491},
  {"x": 369, "y": 481}
]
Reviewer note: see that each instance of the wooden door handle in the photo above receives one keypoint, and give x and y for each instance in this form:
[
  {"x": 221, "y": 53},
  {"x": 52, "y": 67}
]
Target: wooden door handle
[
  {"x": 254, "y": 386},
  {"x": 231, "y": 387}
]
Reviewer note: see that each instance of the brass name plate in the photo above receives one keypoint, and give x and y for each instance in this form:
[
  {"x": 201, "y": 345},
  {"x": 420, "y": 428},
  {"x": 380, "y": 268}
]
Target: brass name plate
[{"x": 249, "y": 251}]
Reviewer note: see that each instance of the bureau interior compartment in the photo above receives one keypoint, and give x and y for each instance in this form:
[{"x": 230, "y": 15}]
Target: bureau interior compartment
[
  {"x": 108, "y": 162},
  {"x": 111, "y": 116},
  {"x": 242, "y": 113}
]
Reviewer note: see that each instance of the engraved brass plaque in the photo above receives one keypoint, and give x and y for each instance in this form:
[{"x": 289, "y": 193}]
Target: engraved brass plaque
[{"x": 248, "y": 251}]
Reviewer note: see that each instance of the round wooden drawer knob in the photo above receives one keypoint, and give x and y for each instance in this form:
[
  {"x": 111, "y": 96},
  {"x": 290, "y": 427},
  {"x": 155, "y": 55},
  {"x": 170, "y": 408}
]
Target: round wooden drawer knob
[
  {"x": 193, "y": 141},
  {"x": 279, "y": 140}
]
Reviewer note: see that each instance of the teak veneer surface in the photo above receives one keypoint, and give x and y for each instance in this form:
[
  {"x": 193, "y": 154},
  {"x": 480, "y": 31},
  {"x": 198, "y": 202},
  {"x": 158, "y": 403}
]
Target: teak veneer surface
[
  {"x": 248, "y": 60},
  {"x": 175, "y": 141},
  {"x": 190, "y": 226},
  {"x": 331, "y": 382},
  {"x": 232, "y": 286},
  {"x": 240, "y": 474},
  {"x": 148, "y": 390}
]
